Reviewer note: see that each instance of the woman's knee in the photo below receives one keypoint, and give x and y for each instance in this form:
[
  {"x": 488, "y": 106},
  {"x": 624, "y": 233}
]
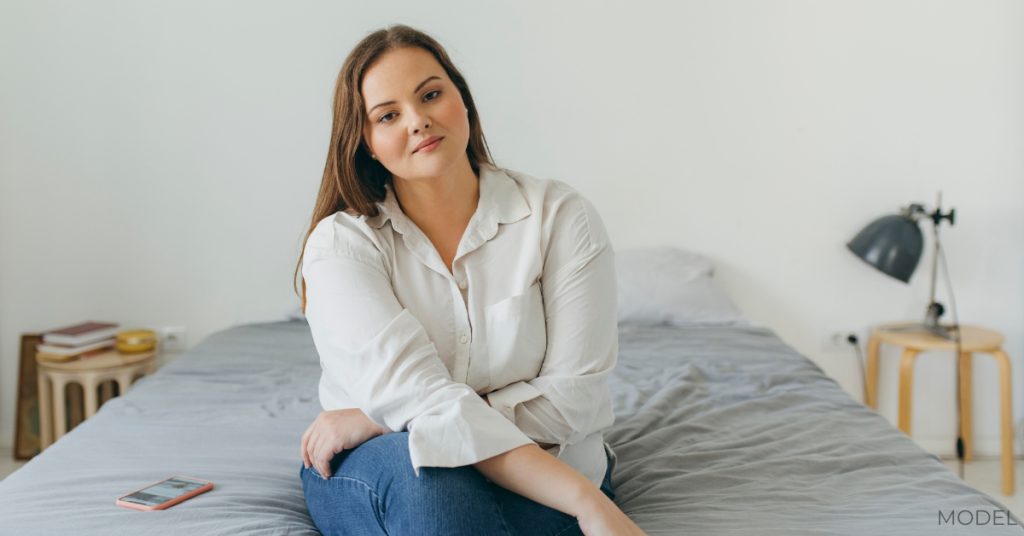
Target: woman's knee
[
  {"x": 391, "y": 445},
  {"x": 385, "y": 461},
  {"x": 363, "y": 470},
  {"x": 382, "y": 457}
]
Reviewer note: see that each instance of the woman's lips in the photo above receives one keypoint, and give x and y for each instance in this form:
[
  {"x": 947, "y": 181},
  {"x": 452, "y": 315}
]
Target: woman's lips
[{"x": 430, "y": 147}]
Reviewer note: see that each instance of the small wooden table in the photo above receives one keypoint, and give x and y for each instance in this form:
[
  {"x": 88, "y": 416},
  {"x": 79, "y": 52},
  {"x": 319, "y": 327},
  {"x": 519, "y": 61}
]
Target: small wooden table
[
  {"x": 90, "y": 372},
  {"x": 974, "y": 339}
]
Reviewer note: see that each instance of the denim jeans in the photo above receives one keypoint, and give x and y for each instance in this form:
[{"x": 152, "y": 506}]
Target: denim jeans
[{"x": 373, "y": 491}]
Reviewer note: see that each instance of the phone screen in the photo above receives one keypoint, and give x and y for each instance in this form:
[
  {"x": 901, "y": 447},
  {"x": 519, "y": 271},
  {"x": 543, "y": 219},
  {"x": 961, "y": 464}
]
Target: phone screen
[{"x": 162, "y": 492}]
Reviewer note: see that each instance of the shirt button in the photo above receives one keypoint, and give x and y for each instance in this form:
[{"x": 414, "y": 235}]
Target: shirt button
[
  {"x": 463, "y": 339},
  {"x": 462, "y": 284}
]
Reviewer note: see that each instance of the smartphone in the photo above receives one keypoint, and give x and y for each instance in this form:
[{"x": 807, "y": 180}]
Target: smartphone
[{"x": 165, "y": 493}]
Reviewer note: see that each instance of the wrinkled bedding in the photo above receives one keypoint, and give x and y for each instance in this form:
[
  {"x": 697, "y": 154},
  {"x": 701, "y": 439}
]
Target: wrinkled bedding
[{"x": 719, "y": 430}]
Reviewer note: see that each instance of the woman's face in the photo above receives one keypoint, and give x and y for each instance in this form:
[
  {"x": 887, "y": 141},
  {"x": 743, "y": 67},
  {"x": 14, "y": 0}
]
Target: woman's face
[{"x": 409, "y": 100}]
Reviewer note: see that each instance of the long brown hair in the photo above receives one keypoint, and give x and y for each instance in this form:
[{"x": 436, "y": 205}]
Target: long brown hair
[{"x": 353, "y": 181}]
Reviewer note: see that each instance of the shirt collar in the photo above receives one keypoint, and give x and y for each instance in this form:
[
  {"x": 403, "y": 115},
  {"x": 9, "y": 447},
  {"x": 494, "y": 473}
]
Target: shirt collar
[{"x": 500, "y": 202}]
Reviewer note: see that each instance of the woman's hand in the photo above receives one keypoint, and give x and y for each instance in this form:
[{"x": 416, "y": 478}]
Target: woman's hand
[
  {"x": 602, "y": 517},
  {"x": 333, "y": 431}
]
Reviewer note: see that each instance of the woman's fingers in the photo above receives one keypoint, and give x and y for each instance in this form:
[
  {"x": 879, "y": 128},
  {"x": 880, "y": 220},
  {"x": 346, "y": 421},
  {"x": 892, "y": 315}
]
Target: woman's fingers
[
  {"x": 323, "y": 455},
  {"x": 311, "y": 446},
  {"x": 305, "y": 442},
  {"x": 320, "y": 452},
  {"x": 305, "y": 456},
  {"x": 313, "y": 427}
]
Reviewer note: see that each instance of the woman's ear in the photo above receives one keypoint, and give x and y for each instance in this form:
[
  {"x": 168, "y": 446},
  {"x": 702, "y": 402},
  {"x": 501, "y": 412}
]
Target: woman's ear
[
  {"x": 365, "y": 138},
  {"x": 366, "y": 146}
]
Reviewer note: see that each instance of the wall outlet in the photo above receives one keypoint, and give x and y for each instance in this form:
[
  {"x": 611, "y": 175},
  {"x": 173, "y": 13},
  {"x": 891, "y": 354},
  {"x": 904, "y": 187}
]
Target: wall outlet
[
  {"x": 838, "y": 338},
  {"x": 172, "y": 339}
]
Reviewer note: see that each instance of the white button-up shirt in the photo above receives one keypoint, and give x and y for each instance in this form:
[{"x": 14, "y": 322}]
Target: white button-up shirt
[{"x": 526, "y": 317}]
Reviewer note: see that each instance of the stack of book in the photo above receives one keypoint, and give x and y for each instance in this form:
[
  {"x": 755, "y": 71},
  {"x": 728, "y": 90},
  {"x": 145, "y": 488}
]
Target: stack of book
[{"x": 80, "y": 340}]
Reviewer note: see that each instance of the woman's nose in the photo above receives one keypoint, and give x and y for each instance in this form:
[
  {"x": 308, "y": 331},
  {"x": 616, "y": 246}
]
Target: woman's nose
[{"x": 419, "y": 122}]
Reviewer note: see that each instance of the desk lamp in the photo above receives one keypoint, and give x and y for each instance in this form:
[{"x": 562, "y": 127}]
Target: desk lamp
[{"x": 893, "y": 245}]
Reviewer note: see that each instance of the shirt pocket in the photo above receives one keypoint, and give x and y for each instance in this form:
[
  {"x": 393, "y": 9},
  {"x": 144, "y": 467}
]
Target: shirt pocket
[{"x": 516, "y": 337}]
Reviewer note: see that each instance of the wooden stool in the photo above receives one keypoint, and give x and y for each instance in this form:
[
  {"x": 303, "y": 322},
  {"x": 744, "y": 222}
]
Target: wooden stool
[
  {"x": 89, "y": 372},
  {"x": 974, "y": 339}
]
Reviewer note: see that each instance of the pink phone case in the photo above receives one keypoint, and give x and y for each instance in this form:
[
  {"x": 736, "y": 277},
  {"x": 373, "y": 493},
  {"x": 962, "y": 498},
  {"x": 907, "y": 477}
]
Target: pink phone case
[{"x": 134, "y": 506}]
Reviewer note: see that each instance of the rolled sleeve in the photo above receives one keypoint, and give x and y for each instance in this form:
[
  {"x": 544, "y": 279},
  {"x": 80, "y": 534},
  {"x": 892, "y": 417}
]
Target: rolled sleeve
[
  {"x": 381, "y": 357},
  {"x": 507, "y": 398},
  {"x": 569, "y": 399}
]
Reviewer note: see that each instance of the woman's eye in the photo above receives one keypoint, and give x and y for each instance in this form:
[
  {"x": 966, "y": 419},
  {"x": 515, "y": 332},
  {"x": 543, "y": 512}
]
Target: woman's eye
[{"x": 428, "y": 96}]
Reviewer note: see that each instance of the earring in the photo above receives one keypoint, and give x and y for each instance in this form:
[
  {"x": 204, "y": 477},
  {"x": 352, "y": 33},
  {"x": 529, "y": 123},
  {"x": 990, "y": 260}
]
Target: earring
[{"x": 373, "y": 156}]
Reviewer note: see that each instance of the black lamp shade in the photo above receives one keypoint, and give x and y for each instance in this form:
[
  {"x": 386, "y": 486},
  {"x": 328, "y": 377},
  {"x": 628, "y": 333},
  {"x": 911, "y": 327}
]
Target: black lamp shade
[{"x": 892, "y": 244}]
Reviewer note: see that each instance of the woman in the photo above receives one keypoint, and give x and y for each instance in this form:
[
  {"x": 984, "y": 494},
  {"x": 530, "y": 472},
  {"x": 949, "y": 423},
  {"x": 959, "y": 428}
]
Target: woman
[{"x": 464, "y": 316}]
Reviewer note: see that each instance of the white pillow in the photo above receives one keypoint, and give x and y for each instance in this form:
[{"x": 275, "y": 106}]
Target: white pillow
[{"x": 670, "y": 286}]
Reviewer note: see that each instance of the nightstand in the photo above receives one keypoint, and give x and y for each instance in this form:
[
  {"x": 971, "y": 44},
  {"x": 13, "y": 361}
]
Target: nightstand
[
  {"x": 974, "y": 339},
  {"x": 90, "y": 372}
]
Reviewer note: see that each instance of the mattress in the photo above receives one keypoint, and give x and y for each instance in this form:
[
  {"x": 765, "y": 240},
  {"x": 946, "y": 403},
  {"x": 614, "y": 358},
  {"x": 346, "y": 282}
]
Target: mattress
[{"x": 719, "y": 430}]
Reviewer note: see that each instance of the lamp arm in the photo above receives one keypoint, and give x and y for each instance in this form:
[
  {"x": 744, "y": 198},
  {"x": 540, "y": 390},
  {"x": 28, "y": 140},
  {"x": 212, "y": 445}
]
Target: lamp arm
[
  {"x": 935, "y": 309},
  {"x": 917, "y": 212},
  {"x": 935, "y": 266}
]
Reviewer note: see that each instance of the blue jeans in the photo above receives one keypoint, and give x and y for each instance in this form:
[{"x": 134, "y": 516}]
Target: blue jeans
[{"x": 373, "y": 491}]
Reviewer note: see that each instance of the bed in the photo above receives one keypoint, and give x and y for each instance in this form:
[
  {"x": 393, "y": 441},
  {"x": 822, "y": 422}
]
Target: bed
[{"x": 720, "y": 429}]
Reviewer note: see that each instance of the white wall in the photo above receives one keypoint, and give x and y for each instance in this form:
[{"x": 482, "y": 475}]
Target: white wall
[{"x": 159, "y": 161}]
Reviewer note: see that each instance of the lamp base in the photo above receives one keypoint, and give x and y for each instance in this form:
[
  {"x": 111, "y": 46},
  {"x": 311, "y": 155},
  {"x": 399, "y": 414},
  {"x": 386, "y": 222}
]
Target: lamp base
[
  {"x": 946, "y": 332},
  {"x": 931, "y": 322}
]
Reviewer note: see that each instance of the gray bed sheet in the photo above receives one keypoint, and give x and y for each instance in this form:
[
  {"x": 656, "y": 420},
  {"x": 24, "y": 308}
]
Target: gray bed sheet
[{"x": 719, "y": 430}]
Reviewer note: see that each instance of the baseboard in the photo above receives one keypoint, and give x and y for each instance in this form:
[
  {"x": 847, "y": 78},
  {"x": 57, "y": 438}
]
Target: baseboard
[{"x": 983, "y": 448}]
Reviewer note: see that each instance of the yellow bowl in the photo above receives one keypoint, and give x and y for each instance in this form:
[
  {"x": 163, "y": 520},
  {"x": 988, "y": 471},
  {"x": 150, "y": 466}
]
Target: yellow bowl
[{"x": 135, "y": 340}]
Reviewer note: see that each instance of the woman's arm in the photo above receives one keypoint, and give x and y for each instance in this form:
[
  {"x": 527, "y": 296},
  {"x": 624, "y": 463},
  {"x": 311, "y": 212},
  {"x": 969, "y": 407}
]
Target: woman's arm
[
  {"x": 533, "y": 473},
  {"x": 542, "y": 478}
]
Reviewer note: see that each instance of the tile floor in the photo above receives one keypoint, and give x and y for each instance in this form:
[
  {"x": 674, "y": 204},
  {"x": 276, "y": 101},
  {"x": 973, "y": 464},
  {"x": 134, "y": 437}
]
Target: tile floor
[
  {"x": 986, "y": 474},
  {"x": 8, "y": 464},
  {"x": 983, "y": 473}
]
